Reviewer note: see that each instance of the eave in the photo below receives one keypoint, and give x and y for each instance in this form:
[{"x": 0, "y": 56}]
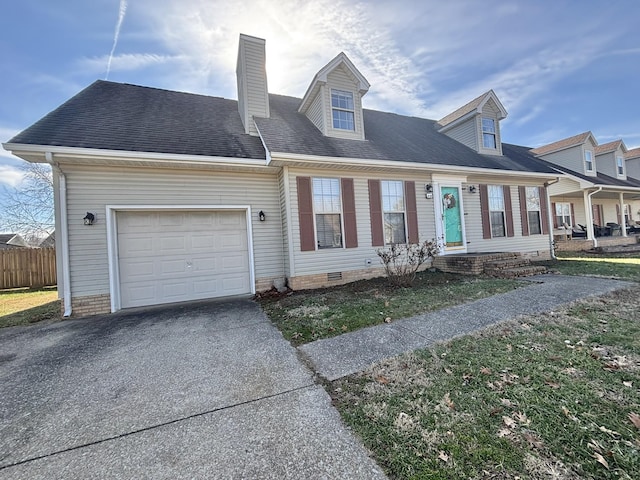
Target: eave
[{"x": 314, "y": 161}]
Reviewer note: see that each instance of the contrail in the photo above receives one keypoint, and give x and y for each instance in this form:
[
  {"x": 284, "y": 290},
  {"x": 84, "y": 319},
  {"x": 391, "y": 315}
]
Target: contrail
[{"x": 121, "y": 14}]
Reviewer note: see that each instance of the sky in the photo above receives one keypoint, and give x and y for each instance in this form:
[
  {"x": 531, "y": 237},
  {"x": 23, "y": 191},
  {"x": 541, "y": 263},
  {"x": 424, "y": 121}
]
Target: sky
[{"x": 559, "y": 67}]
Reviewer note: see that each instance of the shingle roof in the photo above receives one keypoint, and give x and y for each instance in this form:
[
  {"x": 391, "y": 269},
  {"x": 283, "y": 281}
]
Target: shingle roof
[
  {"x": 114, "y": 116},
  {"x": 117, "y": 116},
  {"x": 608, "y": 147},
  {"x": 389, "y": 137},
  {"x": 561, "y": 144},
  {"x": 633, "y": 153},
  {"x": 462, "y": 111},
  {"x": 600, "y": 178}
]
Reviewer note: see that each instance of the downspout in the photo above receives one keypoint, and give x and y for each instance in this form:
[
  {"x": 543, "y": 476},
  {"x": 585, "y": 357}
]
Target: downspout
[
  {"x": 595, "y": 240},
  {"x": 550, "y": 217},
  {"x": 64, "y": 235}
]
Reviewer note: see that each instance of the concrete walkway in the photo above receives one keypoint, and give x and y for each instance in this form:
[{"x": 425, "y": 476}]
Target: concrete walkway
[{"x": 337, "y": 357}]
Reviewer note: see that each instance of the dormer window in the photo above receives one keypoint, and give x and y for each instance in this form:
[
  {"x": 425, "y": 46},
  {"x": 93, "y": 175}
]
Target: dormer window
[
  {"x": 620, "y": 162},
  {"x": 342, "y": 110},
  {"x": 489, "y": 133},
  {"x": 588, "y": 160}
]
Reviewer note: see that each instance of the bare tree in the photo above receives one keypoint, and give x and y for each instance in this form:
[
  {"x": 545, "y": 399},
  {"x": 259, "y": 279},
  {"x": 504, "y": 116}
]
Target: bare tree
[{"x": 28, "y": 208}]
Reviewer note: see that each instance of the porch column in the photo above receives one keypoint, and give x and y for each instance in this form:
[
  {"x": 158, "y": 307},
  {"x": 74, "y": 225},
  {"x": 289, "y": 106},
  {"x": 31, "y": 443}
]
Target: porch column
[
  {"x": 623, "y": 221},
  {"x": 588, "y": 210}
]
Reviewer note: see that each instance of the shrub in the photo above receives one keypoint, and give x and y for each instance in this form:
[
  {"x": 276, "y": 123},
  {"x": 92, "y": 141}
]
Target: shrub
[{"x": 402, "y": 261}]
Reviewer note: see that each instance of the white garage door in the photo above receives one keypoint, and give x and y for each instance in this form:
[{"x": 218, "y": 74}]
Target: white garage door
[{"x": 175, "y": 256}]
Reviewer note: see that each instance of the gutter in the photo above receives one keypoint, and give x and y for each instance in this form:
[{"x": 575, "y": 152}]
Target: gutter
[
  {"x": 595, "y": 240},
  {"x": 550, "y": 217},
  {"x": 64, "y": 234}
]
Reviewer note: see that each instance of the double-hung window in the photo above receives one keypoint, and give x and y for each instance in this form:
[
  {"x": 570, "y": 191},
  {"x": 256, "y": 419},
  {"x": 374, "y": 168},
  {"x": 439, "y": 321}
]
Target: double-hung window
[
  {"x": 489, "y": 133},
  {"x": 393, "y": 208},
  {"x": 327, "y": 208},
  {"x": 342, "y": 110},
  {"x": 533, "y": 210},
  {"x": 496, "y": 210},
  {"x": 563, "y": 214},
  {"x": 620, "y": 162},
  {"x": 588, "y": 160}
]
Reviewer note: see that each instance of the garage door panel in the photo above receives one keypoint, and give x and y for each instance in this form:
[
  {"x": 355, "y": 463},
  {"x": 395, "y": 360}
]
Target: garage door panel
[{"x": 179, "y": 256}]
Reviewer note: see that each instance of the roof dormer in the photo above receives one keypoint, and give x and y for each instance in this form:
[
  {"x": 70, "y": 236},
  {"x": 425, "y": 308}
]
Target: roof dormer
[
  {"x": 477, "y": 124},
  {"x": 576, "y": 153},
  {"x": 632, "y": 163},
  {"x": 611, "y": 159},
  {"x": 333, "y": 101}
]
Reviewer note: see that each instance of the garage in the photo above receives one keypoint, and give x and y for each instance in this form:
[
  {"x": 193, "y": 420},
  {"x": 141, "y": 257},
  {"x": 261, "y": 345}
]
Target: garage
[{"x": 176, "y": 256}]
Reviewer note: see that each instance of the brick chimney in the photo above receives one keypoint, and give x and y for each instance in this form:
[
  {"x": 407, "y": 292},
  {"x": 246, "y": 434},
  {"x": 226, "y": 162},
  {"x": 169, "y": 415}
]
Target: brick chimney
[{"x": 253, "y": 95}]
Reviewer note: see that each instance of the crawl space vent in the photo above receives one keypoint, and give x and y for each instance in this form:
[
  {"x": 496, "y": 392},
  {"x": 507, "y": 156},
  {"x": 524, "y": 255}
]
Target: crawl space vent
[{"x": 334, "y": 276}]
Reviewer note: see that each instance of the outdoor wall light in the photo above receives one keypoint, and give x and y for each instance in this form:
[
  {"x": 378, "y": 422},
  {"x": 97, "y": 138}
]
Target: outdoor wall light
[
  {"x": 472, "y": 189},
  {"x": 262, "y": 216},
  {"x": 428, "y": 191},
  {"x": 89, "y": 218}
]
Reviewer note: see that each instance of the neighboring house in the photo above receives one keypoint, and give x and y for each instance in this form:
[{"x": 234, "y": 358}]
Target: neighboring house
[
  {"x": 632, "y": 160},
  {"x": 49, "y": 241},
  {"x": 12, "y": 240},
  {"x": 594, "y": 189},
  {"x": 195, "y": 197}
]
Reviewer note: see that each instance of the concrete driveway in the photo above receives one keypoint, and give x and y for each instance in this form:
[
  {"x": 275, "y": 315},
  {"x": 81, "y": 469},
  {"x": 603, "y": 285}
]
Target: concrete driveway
[{"x": 209, "y": 390}]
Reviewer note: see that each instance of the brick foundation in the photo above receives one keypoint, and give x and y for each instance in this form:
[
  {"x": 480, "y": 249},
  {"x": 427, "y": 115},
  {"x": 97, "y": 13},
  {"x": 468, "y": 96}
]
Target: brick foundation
[
  {"x": 264, "y": 284},
  {"x": 89, "y": 305},
  {"x": 575, "y": 245},
  {"x": 306, "y": 282}
]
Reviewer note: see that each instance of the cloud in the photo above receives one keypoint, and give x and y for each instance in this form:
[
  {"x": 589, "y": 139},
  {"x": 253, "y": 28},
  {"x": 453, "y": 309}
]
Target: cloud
[
  {"x": 11, "y": 176},
  {"x": 121, "y": 13},
  {"x": 126, "y": 61}
]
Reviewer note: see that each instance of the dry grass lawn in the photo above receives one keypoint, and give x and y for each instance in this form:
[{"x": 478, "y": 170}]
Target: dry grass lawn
[{"x": 24, "y": 306}]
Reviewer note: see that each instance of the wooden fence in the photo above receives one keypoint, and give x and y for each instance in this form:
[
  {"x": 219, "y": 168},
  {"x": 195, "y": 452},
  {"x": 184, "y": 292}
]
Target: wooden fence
[{"x": 27, "y": 267}]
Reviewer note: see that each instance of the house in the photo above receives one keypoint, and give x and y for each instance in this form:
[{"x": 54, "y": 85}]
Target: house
[
  {"x": 632, "y": 161},
  {"x": 49, "y": 241},
  {"x": 163, "y": 196},
  {"x": 12, "y": 240},
  {"x": 595, "y": 190}
]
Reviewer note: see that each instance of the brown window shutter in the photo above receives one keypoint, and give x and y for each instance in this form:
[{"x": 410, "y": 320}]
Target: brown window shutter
[
  {"x": 524, "y": 218},
  {"x": 553, "y": 214},
  {"x": 412, "y": 211},
  {"x": 618, "y": 213},
  {"x": 508, "y": 209},
  {"x": 484, "y": 211},
  {"x": 375, "y": 211},
  {"x": 305, "y": 214},
  {"x": 544, "y": 210},
  {"x": 573, "y": 215},
  {"x": 349, "y": 212}
]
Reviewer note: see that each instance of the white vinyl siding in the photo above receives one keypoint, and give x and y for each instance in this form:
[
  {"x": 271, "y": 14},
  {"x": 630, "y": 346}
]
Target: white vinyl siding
[
  {"x": 572, "y": 158},
  {"x": 285, "y": 225},
  {"x": 253, "y": 96},
  {"x": 343, "y": 259},
  {"x": 315, "y": 113},
  {"x": 530, "y": 244},
  {"x": 465, "y": 133},
  {"x": 612, "y": 164},
  {"x": 92, "y": 188}
]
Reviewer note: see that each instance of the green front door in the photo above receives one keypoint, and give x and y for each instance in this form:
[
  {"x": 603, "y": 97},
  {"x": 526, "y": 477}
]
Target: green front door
[{"x": 451, "y": 216}]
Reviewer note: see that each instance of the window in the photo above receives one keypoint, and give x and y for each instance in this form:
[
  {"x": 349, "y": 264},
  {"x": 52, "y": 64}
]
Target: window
[
  {"x": 620, "y": 162},
  {"x": 328, "y": 211},
  {"x": 393, "y": 212},
  {"x": 342, "y": 110},
  {"x": 563, "y": 214},
  {"x": 489, "y": 133},
  {"x": 533, "y": 210},
  {"x": 496, "y": 210},
  {"x": 588, "y": 160}
]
